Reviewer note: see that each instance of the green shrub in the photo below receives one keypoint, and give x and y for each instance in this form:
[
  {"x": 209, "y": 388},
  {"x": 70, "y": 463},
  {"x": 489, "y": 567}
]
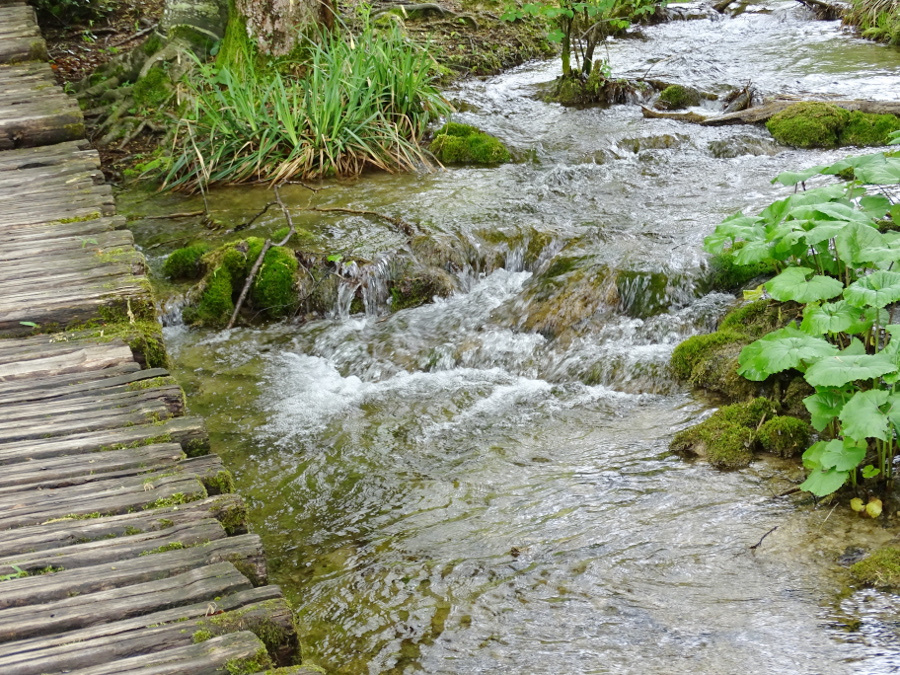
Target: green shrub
[
  {"x": 184, "y": 263},
  {"x": 809, "y": 125},
  {"x": 463, "y": 144}
]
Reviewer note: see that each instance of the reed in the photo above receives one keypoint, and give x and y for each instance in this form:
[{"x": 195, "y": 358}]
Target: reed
[
  {"x": 876, "y": 19},
  {"x": 355, "y": 102}
]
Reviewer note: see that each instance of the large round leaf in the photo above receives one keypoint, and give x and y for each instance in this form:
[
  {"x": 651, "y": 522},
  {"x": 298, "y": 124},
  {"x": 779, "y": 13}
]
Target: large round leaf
[
  {"x": 841, "y": 369},
  {"x": 878, "y": 289},
  {"x": 862, "y": 416},
  {"x": 795, "y": 283},
  {"x": 786, "y": 348},
  {"x": 822, "y": 483},
  {"x": 830, "y": 317},
  {"x": 824, "y": 406},
  {"x": 859, "y": 243}
]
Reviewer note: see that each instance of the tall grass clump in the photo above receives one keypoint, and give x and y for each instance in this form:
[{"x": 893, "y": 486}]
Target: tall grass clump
[
  {"x": 876, "y": 19},
  {"x": 355, "y": 101}
]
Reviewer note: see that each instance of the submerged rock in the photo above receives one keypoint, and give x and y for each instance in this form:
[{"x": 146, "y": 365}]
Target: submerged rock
[{"x": 823, "y": 125}]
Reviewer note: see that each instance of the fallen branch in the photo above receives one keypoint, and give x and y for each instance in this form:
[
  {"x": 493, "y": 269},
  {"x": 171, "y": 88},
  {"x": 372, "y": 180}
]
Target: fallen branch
[
  {"x": 409, "y": 229},
  {"x": 172, "y": 216},
  {"x": 757, "y": 544},
  {"x": 824, "y": 11},
  {"x": 262, "y": 254},
  {"x": 244, "y": 226},
  {"x": 140, "y": 33}
]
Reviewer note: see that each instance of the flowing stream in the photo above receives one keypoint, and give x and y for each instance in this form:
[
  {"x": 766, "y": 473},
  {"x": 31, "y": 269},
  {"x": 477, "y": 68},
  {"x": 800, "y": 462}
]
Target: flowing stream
[{"x": 482, "y": 484}]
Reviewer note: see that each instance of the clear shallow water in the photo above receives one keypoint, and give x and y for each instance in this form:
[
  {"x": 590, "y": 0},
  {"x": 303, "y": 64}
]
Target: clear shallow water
[{"x": 481, "y": 484}]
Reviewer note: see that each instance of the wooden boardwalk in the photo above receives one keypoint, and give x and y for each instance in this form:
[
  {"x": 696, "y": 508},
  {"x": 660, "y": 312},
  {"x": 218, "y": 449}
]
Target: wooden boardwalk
[{"x": 121, "y": 549}]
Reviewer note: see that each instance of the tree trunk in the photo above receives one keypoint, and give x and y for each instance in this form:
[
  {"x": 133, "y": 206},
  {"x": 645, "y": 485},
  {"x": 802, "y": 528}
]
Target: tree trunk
[{"x": 275, "y": 27}]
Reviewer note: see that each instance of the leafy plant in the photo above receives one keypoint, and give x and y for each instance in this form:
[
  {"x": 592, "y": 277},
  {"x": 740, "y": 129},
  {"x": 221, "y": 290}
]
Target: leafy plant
[
  {"x": 17, "y": 573},
  {"x": 832, "y": 257}
]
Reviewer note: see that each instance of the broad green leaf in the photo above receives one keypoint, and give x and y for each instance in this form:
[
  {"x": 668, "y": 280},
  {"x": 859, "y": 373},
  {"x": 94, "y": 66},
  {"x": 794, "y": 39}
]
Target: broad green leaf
[
  {"x": 842, "y": 455},
  {"x": 862, "y": 416},
  {"x": 830, "y": 317},
  {"x": 822, "y": 230},
  {"x": 870, "y": 471},
  {"x": 855, "y": 348},
  {"x": 878, "y": 289},
  {"x": 877, "y": 169},
  {"x": 841, "y": 369},
  {"x": 796, "y": 284},
  {"x": 831, "y": 210},
  {"x": 754, "y": 252},
  {"x": 822, "y": 483},
  {"x": 786, "y": 348},
  {"x": 812, "y": 456},
  {"x": 856, "y": 242},
  {"x": 875, "y": 206},
  {"x": 825, "y": 405},
  {"x": 791, "y": 178}
]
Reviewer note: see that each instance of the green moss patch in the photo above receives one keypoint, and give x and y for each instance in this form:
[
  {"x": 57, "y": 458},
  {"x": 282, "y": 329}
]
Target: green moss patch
[
  {"x": 881, "y": 569},
  {"x": 464, "y": 144},
  {"x": 784, "y": 436},
  {"x": 676, "y": 97},
  {"x": 153, "y": 89},
  {"x": 184, "y": 263},
  {"x": 274, "y": 290},
  {"x": 689, "y": 353},
  {"x": 823, "y": 125}
]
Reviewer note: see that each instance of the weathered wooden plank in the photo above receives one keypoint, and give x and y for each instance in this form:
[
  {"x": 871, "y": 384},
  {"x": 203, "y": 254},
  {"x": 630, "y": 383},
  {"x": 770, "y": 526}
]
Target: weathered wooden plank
[
  {"x": 207, "y": 658},
  {"x": 58, "y": 471},
  {"x": 22, "y": 657},
  {"x": 118, "y": 496},
  {"x": 271, "y": 621},
  {"x": 61, "y": 358},
  {"x": 20, "y": 39},
  {"x": 93, "y": 567},
  {"x": 186, "y": 431},
  {"x": 200, "y": 584},
  {"x": 74, "y": 385},
  {"x": 229, "y": 510}
]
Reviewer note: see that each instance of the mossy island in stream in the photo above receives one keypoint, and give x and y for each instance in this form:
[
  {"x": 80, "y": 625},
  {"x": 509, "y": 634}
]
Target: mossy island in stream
[
  {"x": 823, "y": 125},
  {"x": 456, "y": 143}
]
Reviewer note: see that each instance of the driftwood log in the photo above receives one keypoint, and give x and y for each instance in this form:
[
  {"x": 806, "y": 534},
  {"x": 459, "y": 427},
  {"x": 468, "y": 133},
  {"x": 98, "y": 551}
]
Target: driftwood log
[{"x": 763, "y": 112}]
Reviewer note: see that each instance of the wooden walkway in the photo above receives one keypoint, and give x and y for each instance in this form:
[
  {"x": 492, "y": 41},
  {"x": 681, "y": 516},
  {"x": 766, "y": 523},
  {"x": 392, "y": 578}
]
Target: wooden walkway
[{"x": 121, "y": 549}]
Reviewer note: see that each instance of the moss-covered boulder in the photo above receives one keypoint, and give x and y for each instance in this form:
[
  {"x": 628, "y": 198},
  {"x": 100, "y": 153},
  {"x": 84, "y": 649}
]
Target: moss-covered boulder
[
  {"x": 689, "y": 354},
  {"x": 274, "y": 290},
  {"x": 881, "y": 569},
  {"x": 184, "y": 263},
  {"x": 727, "y": 439},
  {"x": 809, "y": 125},
  {"x": 464, "y": 144},
  {"x": 867, "y": 130},
  {"x": 784, "y": 436},
  {"x": 417, "y": 290},
  {"x": 677, "y": 97}
]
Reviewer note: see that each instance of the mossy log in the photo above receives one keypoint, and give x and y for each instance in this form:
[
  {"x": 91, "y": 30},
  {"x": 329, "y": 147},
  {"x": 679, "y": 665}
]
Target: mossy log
[{"x": 763, "y": 112}]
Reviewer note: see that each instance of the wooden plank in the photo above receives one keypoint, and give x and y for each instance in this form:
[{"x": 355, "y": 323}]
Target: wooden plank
[
  {"x": 24, "y": 657},
  {"x": 203, "y": 584},
  {"x": 20, "y": 39},
  {"x": 133, "y": 560},
  {"x": 207, "y": 658},
  {"x": 227, "y": 509},
  {"x": 60, "y": 358},
  {"x": 31, "y": 114},
  {"x": 186, "y": 431},
  {"x": 264, "y": 619},
  {"x": 73, "y": 385}
]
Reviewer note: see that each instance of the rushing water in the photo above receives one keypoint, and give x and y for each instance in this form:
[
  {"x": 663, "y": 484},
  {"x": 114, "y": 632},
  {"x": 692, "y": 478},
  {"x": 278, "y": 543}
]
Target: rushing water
[{"x": 482, "y": 484}]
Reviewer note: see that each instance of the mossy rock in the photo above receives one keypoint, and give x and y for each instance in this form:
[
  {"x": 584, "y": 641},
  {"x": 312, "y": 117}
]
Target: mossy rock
[
  {"x": 758, "y": 318},
  {"x": 275, "y": 288},
  {"x": 727, "y": 438},
  {"x": 726, "y": 275},
  {"x": 184, "y": 263},
  {"x": 464, "y": 144},
  {"x": 881, "y": 569},
  {"x": 689, "y": 353},
  {"x": 809, "y": 125},
  {"x": 677, "y": 97},
  {"x": 153, "y": 89},
  {"x": 215, "y": 305},
  {"x": 866, "y": 130},
  {"x": 784, "y": 436},
  {"x": 415, "y": 291}
]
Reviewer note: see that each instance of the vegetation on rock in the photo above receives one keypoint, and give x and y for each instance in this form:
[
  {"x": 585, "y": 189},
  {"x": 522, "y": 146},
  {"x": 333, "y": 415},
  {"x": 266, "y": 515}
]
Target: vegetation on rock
[
  {"x": 875, "y": 19},
  {"x": 881, "y": 569},
  {"x": 823, "y": 125},
  {"x": 676, "y": 97},
  {"x": 464, "y": 144}
]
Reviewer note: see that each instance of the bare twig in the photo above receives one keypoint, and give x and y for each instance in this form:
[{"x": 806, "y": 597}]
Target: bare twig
[
  {"x": 244, "y": 226},
  {"x": 140, "y": 33},
  {"x": 134, "y": 134},
  {"x": 262, "y": 254},
  {"x": 409, "y": 229},
  {"x": 757, "y": 544},
  {"x": 168, "y": 216}
]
